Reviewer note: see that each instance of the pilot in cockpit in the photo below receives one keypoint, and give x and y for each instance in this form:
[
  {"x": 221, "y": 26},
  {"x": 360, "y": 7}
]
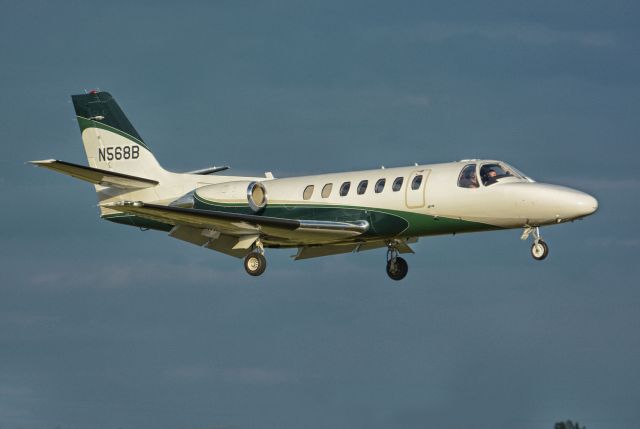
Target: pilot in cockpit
[
  {"x": 492, "y": 177},
  {"x": 473, "y": 180},
  {"x": 488, "y": 174}
]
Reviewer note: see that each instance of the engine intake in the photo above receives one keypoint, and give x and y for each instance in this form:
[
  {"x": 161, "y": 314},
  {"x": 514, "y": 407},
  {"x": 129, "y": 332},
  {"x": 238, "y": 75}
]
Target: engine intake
[{"x": 257, "y": 196}]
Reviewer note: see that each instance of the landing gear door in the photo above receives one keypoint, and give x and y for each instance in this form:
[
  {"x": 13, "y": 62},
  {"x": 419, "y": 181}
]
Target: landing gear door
[{"x": 416, "y": 188}]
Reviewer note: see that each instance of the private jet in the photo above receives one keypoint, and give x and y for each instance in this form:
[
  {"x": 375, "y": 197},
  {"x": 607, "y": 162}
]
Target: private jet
[{"x": 318, "y": 215}]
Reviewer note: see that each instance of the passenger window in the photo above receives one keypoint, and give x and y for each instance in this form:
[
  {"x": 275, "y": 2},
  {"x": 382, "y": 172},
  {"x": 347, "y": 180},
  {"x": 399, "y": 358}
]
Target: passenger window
[
  {"x": 380, "y": 185},
  {"x": 326, "y": 190},
  {"x": 362, "y": 187},
  {"x": 467, "y": 178},
  {"x": 344, "y": 189},
  {"x": 416, "y": 182},
  {"x": 308, "y": 191},
  {"x": 397, "y": 184}
]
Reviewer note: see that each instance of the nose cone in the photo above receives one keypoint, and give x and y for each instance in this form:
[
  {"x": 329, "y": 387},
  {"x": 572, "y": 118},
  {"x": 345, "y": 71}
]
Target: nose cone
[
  {"x": 584, "y": 204},
  {"x": 572, "y": 204},
  {"x": 545, "y": 204}
]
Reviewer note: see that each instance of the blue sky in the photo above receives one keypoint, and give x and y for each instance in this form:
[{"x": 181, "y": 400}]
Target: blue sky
[{"x": 103, "y": 326}]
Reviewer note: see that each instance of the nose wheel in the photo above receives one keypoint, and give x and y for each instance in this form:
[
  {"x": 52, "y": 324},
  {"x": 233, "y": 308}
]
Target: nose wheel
[
  {"x": 539, "y": 249},
  {"x": 397, "y": 267}
]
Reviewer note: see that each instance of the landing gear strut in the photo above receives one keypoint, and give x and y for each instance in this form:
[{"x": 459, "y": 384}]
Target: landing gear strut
[
  {"x": 539, "y": 249},
  {"x": 397, "y": 267},
  {"x": 255, "y": 263}
]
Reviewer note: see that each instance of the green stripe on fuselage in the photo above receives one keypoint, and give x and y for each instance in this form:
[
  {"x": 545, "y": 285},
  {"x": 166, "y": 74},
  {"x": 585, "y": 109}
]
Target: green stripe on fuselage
[{"x": 384, "y": 222}]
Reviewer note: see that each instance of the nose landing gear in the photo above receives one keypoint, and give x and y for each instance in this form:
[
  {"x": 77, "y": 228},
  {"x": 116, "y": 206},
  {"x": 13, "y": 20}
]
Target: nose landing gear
[
  {"x": 539, "y": 249},
  {"x": 397, "y": 267}
]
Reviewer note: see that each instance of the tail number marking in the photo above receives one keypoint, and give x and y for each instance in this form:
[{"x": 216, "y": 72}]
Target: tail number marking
[{"x": 118, "y": 152}]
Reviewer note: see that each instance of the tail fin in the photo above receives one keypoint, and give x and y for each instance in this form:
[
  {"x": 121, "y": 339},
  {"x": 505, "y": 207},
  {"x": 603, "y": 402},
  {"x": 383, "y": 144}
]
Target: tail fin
[{"x": 109, "y": 139}]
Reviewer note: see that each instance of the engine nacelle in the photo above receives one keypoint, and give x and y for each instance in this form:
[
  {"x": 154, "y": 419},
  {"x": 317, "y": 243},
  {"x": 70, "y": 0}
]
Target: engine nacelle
[
  {"x": 257, "y": 196},
  {"x": 243, "y": 192}
]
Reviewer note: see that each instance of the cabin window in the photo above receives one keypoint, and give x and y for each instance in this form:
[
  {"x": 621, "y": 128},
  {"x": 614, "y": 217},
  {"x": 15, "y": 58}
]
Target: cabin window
[
  {"x": 380, "y": 185},
  {"x": 397, "y": 184},
  {"x": 308, "y": 191},
  {"x": 344, "y": 188},
  {"x": 326, "y": 190},
  {"x": 416, "y": 182},
  {"x": 467, "y": 178},
  {"x": 362, "y": 187}
]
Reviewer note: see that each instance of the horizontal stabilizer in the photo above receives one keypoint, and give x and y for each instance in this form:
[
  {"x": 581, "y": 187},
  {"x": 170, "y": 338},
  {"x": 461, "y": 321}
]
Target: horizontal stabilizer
[
  {"x": 209, "y": 170},
  {"x": 96, "y": 176}
]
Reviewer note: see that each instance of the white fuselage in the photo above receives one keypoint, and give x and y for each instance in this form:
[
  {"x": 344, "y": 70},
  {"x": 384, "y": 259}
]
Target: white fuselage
[{"x": 510, "y": 202}]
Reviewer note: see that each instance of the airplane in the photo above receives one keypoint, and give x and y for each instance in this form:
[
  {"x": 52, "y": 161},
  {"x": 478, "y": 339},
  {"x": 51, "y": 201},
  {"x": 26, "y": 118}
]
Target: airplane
[{"x": 319, "y": 215}]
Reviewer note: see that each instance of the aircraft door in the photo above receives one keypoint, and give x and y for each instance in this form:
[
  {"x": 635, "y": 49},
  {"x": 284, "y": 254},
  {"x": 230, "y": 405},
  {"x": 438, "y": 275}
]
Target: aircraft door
[{"x": 416, "y": 188}]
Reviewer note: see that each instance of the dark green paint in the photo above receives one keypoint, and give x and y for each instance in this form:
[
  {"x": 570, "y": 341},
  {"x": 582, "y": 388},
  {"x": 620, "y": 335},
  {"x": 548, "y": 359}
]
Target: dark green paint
[
  {"x": 384, "y": 222},
  {"x": 113, "y": 118}
]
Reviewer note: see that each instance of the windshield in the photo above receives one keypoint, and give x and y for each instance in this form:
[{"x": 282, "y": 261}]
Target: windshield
[{"x": 491, "y": 173}]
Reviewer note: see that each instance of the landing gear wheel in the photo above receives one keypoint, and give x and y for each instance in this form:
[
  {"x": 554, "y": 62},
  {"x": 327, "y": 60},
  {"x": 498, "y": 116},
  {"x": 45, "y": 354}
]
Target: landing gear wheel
[
  {"x": 255, "y": 264},
  {"x": 539, "y": 250},
  {"x": 397, "y": 268}
]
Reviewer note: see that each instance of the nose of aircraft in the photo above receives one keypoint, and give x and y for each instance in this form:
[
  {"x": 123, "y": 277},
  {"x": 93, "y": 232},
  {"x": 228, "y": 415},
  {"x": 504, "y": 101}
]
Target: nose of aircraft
[
  {"x": 573, "y": 204},
  {"x": 546, "y": 203},
  {"x": 585, "y": 204}
]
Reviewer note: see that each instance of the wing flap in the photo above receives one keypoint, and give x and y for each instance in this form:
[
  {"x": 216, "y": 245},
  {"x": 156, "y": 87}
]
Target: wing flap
[
  {"x": 96, "y": 176},
  {"x": 210, "y": 239},
  {"x": 307, "y": 252}
]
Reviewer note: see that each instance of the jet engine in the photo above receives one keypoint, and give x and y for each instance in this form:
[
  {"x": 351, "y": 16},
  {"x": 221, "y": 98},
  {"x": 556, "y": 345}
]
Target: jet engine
[
  {"x": 242, "y": 192},
  {"x": 257, "y": 196}
]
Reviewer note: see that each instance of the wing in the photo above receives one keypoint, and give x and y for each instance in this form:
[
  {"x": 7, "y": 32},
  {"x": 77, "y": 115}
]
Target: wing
[
  {"x": 213, "y": 227},
  {"x": 307, "y": 252},
  {"x": 96, "y": 176}
]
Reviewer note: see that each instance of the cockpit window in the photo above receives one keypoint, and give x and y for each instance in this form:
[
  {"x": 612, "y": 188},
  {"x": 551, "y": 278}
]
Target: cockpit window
[
  {"x": 491, "y": 173},
  {"x": 467, "y": 178}
]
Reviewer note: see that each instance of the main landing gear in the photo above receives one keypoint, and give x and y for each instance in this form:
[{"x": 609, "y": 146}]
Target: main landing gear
[
  {"x": 255, "y": 263},
  {"x": 397, "y": 267},
  {"x": 539, "y": 249}
]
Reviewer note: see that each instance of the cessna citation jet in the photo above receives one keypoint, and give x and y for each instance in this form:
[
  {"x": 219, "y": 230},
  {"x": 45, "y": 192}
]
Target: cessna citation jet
[{"x": 318, "y": 215}]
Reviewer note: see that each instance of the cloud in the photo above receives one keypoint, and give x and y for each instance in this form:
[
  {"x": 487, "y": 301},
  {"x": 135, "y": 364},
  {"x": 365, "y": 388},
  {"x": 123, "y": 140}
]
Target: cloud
[
  {"x": 256, "y": 376},
  {"x": 120, "y": 274},
  {"x": 25, "y": 319},
  {"x": 15, "y": 400},
  {"x": 240, "y": 375},
  {"x": 413, "y": 100},
  {"x": 438, "y": 32}
]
